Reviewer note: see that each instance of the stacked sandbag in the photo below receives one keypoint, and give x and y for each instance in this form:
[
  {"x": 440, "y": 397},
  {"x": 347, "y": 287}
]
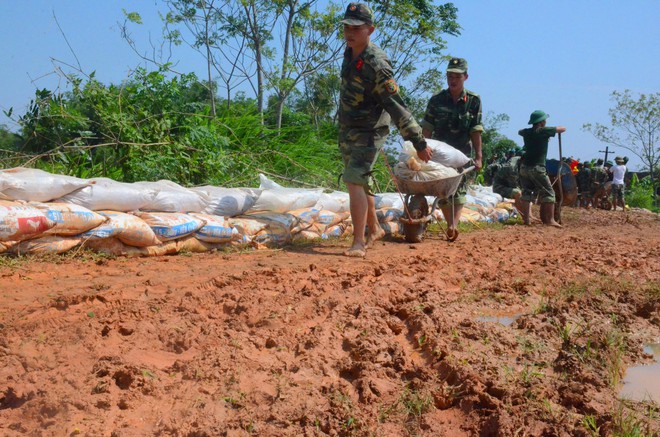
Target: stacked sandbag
[
  {"x": 31, "y": 184},
  {"x": 107, "y": 194},
  {"x": 21, "y": 221},
  {"x": 172, "y": 197},
  {"x": 227, "y": 202},
  {"x": 160, "y": 218}
]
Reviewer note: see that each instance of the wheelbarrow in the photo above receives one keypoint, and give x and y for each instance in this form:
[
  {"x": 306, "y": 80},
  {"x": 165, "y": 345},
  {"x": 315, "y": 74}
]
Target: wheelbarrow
[{"x": 416, "y": 208}]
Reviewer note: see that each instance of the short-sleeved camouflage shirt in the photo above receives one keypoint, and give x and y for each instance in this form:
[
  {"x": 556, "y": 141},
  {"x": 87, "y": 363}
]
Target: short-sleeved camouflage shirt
[
  {"x": 454, "y": 122},
  {"x": 370, "y": 99}
]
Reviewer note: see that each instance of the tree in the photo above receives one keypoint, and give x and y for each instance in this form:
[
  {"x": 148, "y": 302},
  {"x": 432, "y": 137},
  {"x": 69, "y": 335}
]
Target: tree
[
  {"x": 493, "y": 142},
  {"x": 634, "y": 126}
]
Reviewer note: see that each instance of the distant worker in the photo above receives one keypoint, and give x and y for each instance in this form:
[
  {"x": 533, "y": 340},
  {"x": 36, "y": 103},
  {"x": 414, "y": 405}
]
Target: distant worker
[
  {"x": 368, "y": 99},
  {"x": 533, "y": 174},
  {"x": 490, "y": 171},
  {"x": 618, "y": 176},
  {"x": 583, "y": 182},
  {"x": 454, "y": 116},
  {"x": 507, "y": 184},
  {"x": 598, "y": 180}
]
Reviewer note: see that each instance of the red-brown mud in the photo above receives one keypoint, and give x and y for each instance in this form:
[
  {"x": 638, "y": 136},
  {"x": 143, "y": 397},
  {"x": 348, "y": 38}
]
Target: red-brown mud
[{"x": 304, "y": 341}]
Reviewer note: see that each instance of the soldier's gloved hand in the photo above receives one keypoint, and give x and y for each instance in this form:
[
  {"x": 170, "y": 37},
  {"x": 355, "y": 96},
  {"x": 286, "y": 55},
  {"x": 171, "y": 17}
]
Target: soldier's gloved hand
[{"x": 424, "y": 152}]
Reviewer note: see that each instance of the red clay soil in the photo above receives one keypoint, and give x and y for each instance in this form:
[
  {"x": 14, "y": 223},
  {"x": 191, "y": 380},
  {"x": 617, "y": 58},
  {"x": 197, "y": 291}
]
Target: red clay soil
[{"x": 305, "y": 342}]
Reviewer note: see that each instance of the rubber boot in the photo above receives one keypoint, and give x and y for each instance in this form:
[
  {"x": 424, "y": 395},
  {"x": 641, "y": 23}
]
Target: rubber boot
[{"x": 548, "y": 215}]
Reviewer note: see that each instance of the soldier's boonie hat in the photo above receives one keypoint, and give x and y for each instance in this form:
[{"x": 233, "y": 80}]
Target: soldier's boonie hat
[
  {"x": 609, "y": 163},
  {"x": 537, "y": 117},
  {"x": 457, "y": 65},
  {"x": 619, "y": 160},
  {"x": 358, "y": 14}
]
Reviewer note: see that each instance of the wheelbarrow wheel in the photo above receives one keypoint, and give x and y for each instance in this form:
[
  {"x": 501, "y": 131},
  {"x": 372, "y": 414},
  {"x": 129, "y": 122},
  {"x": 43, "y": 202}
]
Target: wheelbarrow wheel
[{"x": 418, "y": 208}]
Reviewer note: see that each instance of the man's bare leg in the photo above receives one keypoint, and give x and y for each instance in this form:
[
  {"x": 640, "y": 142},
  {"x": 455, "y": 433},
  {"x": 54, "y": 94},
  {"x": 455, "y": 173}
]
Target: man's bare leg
[
  {"x": 452, "y": 214},
  {"x": 359, "y": 206},
  {"x": 375, "y": 232}
]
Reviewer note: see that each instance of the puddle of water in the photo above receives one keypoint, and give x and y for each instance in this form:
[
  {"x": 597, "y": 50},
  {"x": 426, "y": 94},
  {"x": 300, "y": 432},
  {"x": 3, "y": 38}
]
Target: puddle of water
[
  {"x": 642, "y": 383},
  {"x": 502, "y": 319}
]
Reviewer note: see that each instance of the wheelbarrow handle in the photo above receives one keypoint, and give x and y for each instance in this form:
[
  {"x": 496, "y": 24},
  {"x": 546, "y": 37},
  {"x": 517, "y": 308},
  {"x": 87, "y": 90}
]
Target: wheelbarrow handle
[{"x": 468, "y": 170}]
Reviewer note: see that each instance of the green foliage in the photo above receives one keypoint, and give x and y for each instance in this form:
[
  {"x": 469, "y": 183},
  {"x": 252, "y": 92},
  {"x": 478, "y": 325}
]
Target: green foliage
[
  {"x": 153, "y": 127},
  {"x": 640, "y": 194}
]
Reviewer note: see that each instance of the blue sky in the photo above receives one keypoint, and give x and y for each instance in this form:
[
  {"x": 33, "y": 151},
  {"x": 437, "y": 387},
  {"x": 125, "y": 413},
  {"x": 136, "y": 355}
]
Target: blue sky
[{"x": 563, "y": 56}]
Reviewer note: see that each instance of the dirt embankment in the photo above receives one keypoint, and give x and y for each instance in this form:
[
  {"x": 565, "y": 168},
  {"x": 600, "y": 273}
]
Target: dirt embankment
[{"x": 514, "y": 331}]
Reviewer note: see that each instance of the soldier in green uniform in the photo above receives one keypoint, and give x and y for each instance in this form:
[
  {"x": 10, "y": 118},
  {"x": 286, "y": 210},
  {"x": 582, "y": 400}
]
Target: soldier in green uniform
[
  {"x": 533, "y": 174},
  {"x": 369, "y": 101},
  {"x": 583, "y": 180},
  {"x": 598, "y": 179},
  {"x": 454, "y": 116}
]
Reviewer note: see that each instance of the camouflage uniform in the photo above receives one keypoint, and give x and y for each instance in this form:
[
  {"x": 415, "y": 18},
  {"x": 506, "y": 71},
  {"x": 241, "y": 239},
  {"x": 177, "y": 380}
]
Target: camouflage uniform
[
  {"x": 583, "y": 180},
  {"x": 507, "y": 181},
  {"x": 533, "y": 174},
  {"x": 369, "y": 99},
  {"x": 453, "y": 123},
  {"x": 490, "y": 172},
  {"x": 598, "y": 178}
]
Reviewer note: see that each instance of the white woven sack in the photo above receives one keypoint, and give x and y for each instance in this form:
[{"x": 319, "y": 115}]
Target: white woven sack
[
  {"x": 172, "y": 197},
  {"x": 445, "y": 154},
  {"x": 107, "y": 194},
  {"x": 228, "y": 202},
  {"x": 19, "y": 221},
  {"x": 69, "y": 219},
  {"x": 275, "y": 198},
  {"x": 32, "y": 184},
  {"x": 128, "y": 228}
]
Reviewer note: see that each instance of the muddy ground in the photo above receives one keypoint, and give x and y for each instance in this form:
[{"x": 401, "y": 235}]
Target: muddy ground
[{"x": 509, "y": 331}]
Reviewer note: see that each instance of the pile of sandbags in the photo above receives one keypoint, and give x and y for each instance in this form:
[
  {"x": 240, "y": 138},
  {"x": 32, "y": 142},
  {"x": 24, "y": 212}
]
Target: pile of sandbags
[{"x": 42, "y": 212}]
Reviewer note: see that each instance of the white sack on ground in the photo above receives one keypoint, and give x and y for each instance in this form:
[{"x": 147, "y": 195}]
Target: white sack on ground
[
  {"x": 49, "y": 244},
  {"x": 31, "y": 184},
  {"x": 128, "y": 228},
  {"x": 106, "y": 194},
  {"x": 69, "y": 219},
  {"x": 172, "y": 197},
  {"x": 171, "y": 225},
  {"x": 6, "y": 181},
  {"x": 193, "y": 244},
  {"x": 113, "y": 246},
  {"x": 216, "y": 229},
  {"x": 271, "y": 229},
  {"x": 335, "y": 201},
  {"x": 228, "y": 202},
  {"x": 20, "y": 221},
  {"x": 388, "y": 215},
  {"x": 389, "y": 200},
  {"x": 281, "y": 199},
  {"x": 307, "y": 217}
]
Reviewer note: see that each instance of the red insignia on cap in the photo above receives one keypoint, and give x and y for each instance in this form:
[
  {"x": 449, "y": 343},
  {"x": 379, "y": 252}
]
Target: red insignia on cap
[
  {"x": 391, "y": 86},
  {"x": 352, "y": 7}
]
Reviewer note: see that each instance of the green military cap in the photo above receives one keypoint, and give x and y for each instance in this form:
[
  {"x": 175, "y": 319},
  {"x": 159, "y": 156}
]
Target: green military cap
[
  {"x": 358, "y": 14},
  {"x": 537, "y": 117},
  {"x": 457, "y": 65}
]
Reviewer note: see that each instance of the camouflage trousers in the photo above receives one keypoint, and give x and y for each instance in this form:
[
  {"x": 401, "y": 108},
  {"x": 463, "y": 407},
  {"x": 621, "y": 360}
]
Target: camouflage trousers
[{"x": 535, "y": 182}]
